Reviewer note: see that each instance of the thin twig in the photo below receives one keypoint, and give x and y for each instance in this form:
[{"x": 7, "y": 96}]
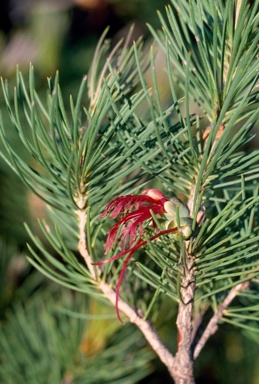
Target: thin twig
[
  {"x": 197, "y": 322},
  {"x": 145, "y": 326},
  {"x": 213, "y": 323}
]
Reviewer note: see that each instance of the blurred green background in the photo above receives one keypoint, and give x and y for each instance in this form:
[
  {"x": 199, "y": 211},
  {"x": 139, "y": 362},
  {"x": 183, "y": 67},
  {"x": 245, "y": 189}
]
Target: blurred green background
[{"x": 62, "y": 35}]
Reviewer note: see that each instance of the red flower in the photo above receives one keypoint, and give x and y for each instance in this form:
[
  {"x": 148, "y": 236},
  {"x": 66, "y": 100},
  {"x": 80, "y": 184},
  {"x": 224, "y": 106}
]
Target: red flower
[{"x": 130, "y": 225}]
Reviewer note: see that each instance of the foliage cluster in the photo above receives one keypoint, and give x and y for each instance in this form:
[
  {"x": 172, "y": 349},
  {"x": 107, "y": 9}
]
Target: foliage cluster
[{"x": 119, "y": 137}]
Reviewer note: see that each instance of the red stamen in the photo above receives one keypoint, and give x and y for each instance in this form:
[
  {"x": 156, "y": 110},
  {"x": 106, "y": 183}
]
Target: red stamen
[
  {"x": 131, "y": 251},
  {"x": 123, "y": 203},
  {"x": 130, "y": 223},
  {"x": 118, "y": 285},
  {"x": 130, "y": 226}
]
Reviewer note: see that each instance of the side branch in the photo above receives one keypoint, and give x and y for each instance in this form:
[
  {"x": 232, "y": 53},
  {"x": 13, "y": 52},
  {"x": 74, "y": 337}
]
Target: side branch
[
  {"x": 213, "y": 323},
  {"x": 145, "y": 326}
]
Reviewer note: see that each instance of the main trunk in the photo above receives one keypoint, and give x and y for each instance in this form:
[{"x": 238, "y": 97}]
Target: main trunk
[{"x": 183, "y": 363}]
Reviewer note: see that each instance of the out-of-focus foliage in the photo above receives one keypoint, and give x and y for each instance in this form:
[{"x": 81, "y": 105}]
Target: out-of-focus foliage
[{"x": 46, "y": 339}]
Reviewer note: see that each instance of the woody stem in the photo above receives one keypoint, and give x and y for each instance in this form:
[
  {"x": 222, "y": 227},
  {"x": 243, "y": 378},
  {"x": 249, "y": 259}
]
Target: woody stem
[{"x": 145, "y": 326}]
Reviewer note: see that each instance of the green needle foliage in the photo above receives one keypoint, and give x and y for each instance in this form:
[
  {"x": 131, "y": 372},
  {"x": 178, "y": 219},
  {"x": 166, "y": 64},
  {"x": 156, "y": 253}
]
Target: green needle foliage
[
  {"x": 119, "y": 137},
  {"x": 55, "y": 353}
]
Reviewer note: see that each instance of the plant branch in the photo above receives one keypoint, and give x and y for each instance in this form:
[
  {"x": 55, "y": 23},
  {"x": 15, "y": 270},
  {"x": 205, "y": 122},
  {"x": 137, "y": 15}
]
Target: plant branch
[
  {"x": 145, "y": 326},
  {"x": 213, "y": 323},
  {"x": 82, "y": 243},
  {"x": 183, "y": 364}
]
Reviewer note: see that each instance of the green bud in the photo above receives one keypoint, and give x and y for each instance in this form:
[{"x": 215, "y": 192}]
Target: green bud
[
  {"x": 171, "y": 207},
  {"x": 185, "y": 227}
]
